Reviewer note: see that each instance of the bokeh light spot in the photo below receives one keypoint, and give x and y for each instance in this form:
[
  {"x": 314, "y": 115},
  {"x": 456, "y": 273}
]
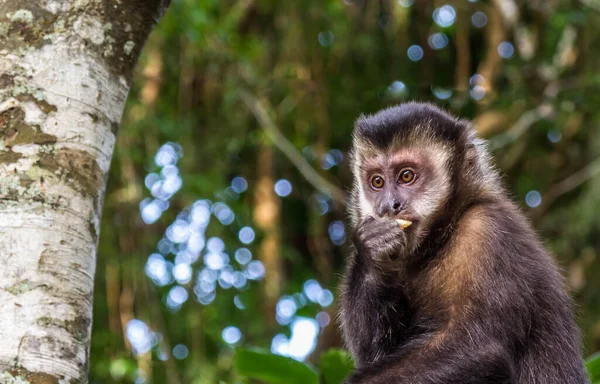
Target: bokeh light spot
[
  {"x": 478, "y": 92},
  {"x": 151, "y": 179},
  {"x": 506, "y": 50},
  {"x": 215, "y": 244},
  {"x": 200, "y": 214},
  {"x": 533, "y": 199},
  {"x": 479, "y": 19},
  {"x": 151, "y": 210},
  {"x": 239, "y": 184},
  {"x": 320, "y": 203},
  {"x": 554, "y": 136},
  {"x": 438, "y": 41},
  {"x": 223, "y": 213},
  {"x": 441, "y": 93},
  {"x": 325, "y": 298},
  {"x": 159, "y": 270},
  {"x": 243, "y": 256},
  {"x": 246, "y": 235},
  {"x": 279, "y": 344},
  {"x": 415, "y": 52},
  {"x": 312, "y": 289},
  {"x": 304, "y": 338},
  {"x": 283, "y": 187},
  {"x": 177, "y": 295},
  {"x": 178, "y": 232},
  {"x": 231, "y": 335},
  {"x": 182, "y": 273},
  {"x": 180, "y": 351},
  {"x": 169, "y": 153},
  {"x": 140, "y": 336},
  {"x": 216, "y": 261},
  {"x": 477, "y": 79},
  {"x": 326, "y": 38},
  {"x": 285, "y": 309},
  {"x": 323, "y": 319},
  {"x": 337, "y": 232},
  {"x": 255, "y": 270},
  {"x": 237, "y": 301},
  {"x": 444, "y": 16},
  {"x": 397, "y": 89}
]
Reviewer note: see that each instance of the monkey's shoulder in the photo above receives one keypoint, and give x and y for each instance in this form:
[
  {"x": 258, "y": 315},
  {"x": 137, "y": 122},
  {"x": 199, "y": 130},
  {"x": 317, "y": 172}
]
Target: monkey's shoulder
[
  {"x": 495, "y": 240},
  {"x": 495, "y": 225}
]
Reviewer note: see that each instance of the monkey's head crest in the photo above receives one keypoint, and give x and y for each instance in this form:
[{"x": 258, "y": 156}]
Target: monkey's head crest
[{"x": 410, "y": 161}]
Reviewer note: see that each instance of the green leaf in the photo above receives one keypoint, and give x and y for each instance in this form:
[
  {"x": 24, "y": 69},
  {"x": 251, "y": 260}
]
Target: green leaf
[
  {"x": 592, "y": 365},
  {"x": 336, "y": 365},
  {"x": 273, "y": 369}
]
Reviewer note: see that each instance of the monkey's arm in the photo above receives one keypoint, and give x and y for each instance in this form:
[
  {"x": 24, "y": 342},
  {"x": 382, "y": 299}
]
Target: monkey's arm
[{"x": 374, "y": 310}]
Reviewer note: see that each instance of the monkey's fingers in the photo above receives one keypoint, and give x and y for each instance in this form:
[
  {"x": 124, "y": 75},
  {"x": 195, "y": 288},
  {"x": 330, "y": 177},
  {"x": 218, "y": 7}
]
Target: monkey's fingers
[
  {"x": 383, "y": 233},
  {"x": 368, "y": 220},
  {"x": 378, "y": 227}
]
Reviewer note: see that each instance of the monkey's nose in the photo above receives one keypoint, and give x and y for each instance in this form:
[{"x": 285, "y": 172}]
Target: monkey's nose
[{"x": 392, "y": 207}]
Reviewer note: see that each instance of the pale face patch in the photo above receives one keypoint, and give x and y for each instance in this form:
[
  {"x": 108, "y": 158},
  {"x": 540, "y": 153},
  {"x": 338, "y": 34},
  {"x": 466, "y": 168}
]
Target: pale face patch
[
  {"x": 429, "y": 193},
  {"x": 364, "y": 206}
]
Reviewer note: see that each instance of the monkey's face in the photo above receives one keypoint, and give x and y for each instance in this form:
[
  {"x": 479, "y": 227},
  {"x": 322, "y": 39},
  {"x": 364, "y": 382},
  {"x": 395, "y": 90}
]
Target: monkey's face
[
  {"x": 407, "y": 183},
  {"x": 407, "y": 161}
]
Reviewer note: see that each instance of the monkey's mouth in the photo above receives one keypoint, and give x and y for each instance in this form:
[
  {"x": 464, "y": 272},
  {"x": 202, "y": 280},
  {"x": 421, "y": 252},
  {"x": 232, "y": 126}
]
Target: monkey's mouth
[{"x": 405, "y": 221}]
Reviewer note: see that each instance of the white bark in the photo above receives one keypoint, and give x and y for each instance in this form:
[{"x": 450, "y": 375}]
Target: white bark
[{"x": 65, "y": 68}]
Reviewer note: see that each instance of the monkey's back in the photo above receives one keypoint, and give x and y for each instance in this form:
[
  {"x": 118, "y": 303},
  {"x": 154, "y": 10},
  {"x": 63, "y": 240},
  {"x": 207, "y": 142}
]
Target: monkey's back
[{"x": 533, "y": 302}]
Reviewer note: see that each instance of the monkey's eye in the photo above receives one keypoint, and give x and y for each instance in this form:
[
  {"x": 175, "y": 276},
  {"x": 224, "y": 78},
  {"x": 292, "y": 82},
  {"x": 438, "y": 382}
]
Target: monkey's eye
[
  {"x": 407, "y": 176},
  {"x": 377, "y": 182}
]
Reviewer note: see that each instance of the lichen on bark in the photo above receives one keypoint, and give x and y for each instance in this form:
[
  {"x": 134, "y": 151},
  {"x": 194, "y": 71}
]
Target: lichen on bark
[
  {"x": 23, "y": 376},
  {"x": 14, "y": 130},
  {"x": 78, "y": 167}
]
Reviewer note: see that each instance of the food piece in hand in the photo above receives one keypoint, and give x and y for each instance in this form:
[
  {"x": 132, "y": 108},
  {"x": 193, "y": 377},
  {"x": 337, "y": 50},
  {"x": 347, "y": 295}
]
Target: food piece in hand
[{"x": 403, "y": 223}]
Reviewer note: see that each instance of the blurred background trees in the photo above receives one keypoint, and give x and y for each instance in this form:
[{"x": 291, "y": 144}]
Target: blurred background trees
[{"x": 224, "y": 221}]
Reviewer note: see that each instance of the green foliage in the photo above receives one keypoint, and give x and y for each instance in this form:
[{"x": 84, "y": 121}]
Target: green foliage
[
  {"x": 336, "y": 365},
  {"x": 593, "y": 367},
  {"x": 273, "y": 369}
]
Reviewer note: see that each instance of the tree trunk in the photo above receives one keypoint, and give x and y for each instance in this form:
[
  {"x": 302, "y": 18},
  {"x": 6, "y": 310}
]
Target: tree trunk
[
  {"x": 65, "y": 70},
  {"x": 267, "y": 211}
]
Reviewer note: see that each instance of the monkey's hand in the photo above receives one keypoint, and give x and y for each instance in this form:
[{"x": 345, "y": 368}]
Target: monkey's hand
[{"x": 379, "y": 240}]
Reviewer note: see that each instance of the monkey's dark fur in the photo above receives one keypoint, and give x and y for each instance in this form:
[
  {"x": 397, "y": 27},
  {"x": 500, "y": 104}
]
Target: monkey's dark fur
[{"x": 464, "y": 295}]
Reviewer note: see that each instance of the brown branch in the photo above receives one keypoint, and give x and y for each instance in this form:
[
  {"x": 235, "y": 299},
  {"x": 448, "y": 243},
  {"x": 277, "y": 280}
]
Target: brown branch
[
  {"x": 288, "y": 149},
  {"x": 567, "y": 185},
  {"x": 591, "y": 5},
  {"x": 543, "y": 111},
  {"x": 463, "y": 53},
  {"x": 494, "y": 34},
  {"x": 157, "y": 323},
  {"x": 267, "y": 217},
  {"x": 527, "y": 119}
]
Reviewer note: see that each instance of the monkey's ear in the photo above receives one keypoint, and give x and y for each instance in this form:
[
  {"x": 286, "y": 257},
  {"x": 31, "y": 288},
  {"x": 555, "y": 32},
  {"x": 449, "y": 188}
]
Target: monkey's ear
[
  {"x": 475, "y": 147},
  {"x": 476, "y": 154}
]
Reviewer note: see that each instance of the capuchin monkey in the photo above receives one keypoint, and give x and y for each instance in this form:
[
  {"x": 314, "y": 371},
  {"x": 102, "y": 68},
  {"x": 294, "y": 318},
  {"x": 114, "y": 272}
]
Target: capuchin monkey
[{"x": 447, "y": 283}]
